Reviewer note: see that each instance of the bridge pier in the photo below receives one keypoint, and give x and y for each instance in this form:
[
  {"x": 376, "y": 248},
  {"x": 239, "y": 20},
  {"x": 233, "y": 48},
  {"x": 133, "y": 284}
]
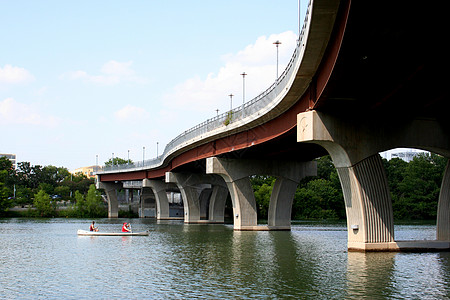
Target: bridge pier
[
  {"x": 159, "y": 190},
  {"x": 236, "y": 174},
  {"x": 354, "y": 145},
  {"x": 111, "y": 194},
  {"x": 147, "y": 194},
  {"x": 203, "y": 197},
  {"x": 443, "y": 214}
]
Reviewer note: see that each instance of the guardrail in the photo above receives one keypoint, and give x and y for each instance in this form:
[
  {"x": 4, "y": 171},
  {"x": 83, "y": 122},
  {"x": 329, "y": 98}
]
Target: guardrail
[{"x": 252, "y": 107}]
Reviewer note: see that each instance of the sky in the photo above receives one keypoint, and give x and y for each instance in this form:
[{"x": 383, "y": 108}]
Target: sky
[{"x": 81, "y": 80}]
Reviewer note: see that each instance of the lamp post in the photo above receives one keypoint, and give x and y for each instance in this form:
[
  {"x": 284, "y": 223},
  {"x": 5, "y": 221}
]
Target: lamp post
[
  {"x": 243, "y": 87},
  {"x": 231, "y": 101},
  {"x": 128, "y": 161},
  {"x": 96, "y": 163},
  {"x": 276, "y": 44},
  {"x": 143, "y": 155},
  {"x": 112, "y": 160},
  {"x": 157, "y": 143},
  {"x": 217, "y": 111}
]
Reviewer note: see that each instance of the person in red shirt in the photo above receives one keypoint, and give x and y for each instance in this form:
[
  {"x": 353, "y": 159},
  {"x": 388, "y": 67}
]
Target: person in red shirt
[
  {"x": 126, "y": 227},
  {"x": 92, "y": 227}
]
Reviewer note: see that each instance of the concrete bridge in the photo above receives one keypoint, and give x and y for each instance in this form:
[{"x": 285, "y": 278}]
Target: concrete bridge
[{"x": 363, "y": 79}]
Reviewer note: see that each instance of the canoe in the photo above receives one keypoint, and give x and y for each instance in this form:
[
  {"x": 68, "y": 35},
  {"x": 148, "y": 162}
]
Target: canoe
[{"x": 97, "y": 233}]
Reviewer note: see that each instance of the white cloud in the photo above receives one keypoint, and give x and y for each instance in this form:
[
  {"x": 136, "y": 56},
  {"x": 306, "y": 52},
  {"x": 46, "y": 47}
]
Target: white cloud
[
  {"x": 14, "y": 75},
  {"x": 112, "y": 73},
  {"x": 131, "y": 113},
  {"x": 258, "y": 60},
  {"x": 13, "y": 112}
]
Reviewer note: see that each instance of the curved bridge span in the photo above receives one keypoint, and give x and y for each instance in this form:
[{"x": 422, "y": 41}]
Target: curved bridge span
[{"x": 363, "y": 78}]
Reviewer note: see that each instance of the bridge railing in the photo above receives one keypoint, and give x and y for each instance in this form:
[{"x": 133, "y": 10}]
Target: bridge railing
[{"x": 223, "y": 120}]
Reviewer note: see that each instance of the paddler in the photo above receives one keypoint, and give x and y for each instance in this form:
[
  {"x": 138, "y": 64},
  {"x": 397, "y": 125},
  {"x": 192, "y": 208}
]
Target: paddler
[
  {"x": 92, "y": 227},
  {"x": 126, "y": 227}
]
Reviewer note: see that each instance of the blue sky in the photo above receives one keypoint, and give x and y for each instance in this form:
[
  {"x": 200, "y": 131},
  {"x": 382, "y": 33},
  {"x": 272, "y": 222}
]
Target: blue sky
[{"x": 85, "y": 78}]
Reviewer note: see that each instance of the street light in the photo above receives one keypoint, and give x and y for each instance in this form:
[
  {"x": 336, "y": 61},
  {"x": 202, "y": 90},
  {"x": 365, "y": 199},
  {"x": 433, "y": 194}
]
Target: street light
[
  {"x": 128, "y": 157},
  {"x": 157, "y": 143},
  {"x": 231, "y": 101},
  {"x": 243, "y": 87},
  {"x": 217, "y": 111},
  {"x": 276, "y": 44},
  {"x": 143, "y": 155}
]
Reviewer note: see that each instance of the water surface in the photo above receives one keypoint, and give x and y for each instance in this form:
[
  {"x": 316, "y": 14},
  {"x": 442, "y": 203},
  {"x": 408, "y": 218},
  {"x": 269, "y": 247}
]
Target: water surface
[{"x": 45, "y": 259}]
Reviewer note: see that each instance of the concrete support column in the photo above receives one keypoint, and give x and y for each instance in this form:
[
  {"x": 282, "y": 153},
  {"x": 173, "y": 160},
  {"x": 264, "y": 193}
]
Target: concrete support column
[
  {"x": 354, "y": 144},
  {"x": 204, "y": 199},
  {"x": 111, "y": 194},
  {"x": 367, "y": 203},
  {"x": 217, "y": 204},
  {"x": 146, "y": 194},
  {"x": 162, "y": 203},
  {"x": 443, "y": 213},
  {"x": 195, "y": 199},
  {"x": 280, "y": 206},
  {"x": 236, "y": 175}
]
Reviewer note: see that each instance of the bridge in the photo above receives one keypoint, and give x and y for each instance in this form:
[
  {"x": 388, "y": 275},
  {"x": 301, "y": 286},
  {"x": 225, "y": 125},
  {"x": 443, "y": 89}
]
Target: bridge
[{"x": 364, "y": 78}]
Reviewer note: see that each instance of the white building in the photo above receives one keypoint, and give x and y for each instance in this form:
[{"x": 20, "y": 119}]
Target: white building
[{"x": 11, "y": 157}]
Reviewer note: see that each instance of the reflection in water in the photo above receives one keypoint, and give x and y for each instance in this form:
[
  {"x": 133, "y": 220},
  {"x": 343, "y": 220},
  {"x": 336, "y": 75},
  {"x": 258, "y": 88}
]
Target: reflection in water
[
  {"x": 370, "y": 274},
  {"x": 45, "y": 259}
]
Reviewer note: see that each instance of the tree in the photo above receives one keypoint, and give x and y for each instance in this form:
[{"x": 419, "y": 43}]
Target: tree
[
  {"x": 118, "y": 161},
  {"x": 5, "y": 202},
  {"x": 45, "y": 207},
  {"x": 94, "y": 203},
  {"x": 80, "y": 204}
]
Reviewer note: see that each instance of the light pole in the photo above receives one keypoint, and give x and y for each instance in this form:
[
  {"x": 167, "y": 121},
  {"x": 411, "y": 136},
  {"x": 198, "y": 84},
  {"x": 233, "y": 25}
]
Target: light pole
[
  {"x": 143, "y": 155},
  {"x": 217, "y": 111},
  {"x": 96, "y": 163},
  {"x": 128, "y": 157},
  {"x": 231, "y": 101},
  {"x": 157, "y": 143},
  {"x": 276, "y": 44},
  {"x": 112, "y": 160},
  {"x": 243, "y": 87}
]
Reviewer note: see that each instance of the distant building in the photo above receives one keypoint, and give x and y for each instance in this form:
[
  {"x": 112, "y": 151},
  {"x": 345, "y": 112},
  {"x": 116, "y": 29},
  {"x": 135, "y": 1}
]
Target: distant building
[
  {"x": 88, "y": 171},
  {"x": 11, "y": 157},
  {"x": 404, "y": 154}
]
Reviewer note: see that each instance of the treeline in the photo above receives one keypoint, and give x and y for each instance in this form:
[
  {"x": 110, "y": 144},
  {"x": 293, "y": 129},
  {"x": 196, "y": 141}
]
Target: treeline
[
  {"x": 43, "y": 187},
  {"x": 414, "y": 188}
]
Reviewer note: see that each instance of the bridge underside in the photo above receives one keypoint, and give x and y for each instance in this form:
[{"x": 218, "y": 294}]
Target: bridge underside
[{"x": 379, "y": 85}]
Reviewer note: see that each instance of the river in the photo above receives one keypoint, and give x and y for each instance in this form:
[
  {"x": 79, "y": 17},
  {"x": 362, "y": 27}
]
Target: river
[{"x": 45, "y": 259}]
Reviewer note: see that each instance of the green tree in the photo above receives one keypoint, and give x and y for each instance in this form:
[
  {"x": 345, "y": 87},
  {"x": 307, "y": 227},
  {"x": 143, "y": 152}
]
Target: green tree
[
  {"x": 118, "y": 161},
  {"x": 5, "y": 203},
  {"x": 418, "y": 192},
  {"x": 44, "y": 205},
  {"x": 262, "y": 197},
  {"x": 94, "y": 203},
  {"x": 63, "y": 191},
  {"x": 80, "y": 205}
]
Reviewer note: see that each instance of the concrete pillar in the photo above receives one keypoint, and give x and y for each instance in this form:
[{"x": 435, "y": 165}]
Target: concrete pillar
[
  {"x": 195, "y": 199},
  {"x": 367, "y": 202},
  {"x": 443, "y": 213},
  {"x": 204, "y": 199},
  {"x": 147, "y": 194},
  {"x": 280, "y": 206},
  {"x": 217, "y": 204},
  {"x": 354, "y": 145},
  {"x": 111, "y": 194},
  {"x": 159, "y": 190},
  {"x": 236, "y": 175}
]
